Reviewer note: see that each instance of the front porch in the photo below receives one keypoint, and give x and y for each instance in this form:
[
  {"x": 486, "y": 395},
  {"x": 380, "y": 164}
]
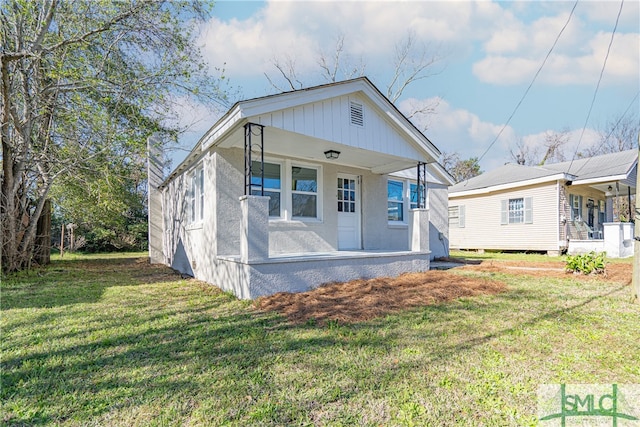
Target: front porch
[
  {"x": 302, "y": 272},
  {"x": 254, "y": 272},
  {"x": 617, "y": 241}
]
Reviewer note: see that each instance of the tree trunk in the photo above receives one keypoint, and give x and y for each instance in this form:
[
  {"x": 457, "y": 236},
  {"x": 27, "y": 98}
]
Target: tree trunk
[{"x": 43, "y": 236}]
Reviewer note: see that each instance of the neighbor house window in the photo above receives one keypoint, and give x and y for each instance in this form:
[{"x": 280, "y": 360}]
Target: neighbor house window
[
  {"x": 576, "y": 206},
  {"x": 456, "y": 216},
  {"x": 517, "y": 211},
  {"x": 304, "y": 192},
  {"x": 196, "y": 196},
  {"x": 272, "y": 185},
  {"x": 395, "y": 200}
]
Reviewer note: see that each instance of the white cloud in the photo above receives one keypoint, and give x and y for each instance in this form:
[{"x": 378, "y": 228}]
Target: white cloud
[
  {"x": 514, "y": 47},
  {"x": 371, "y": 29},
  {"x": 515, "y": 53},
  {"x": 458, "y": 130}
]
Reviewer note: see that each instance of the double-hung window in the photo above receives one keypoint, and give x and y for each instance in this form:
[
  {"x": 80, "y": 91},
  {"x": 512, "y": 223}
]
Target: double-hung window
[
  {"x": 304, "y": 192},
  {"x": 272, "y": 185},
  {"x": 395, "y": 200},
  {"x": 456, "y": 216},
  {"x": 576, "y": 206},
  {"x": 517, "y": 211},
  {"x": 196, "y": 196}
]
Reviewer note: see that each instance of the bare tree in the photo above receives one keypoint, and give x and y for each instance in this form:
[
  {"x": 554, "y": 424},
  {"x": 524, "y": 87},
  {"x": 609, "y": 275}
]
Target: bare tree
[
  {"x": 554, "y": 143},
  {"x": 551, "y": 151},
  {"x": 523, "y": 154},
  {"x": 340, "y": 65},
  {"x": 412, "y": 62},
  {"x": 286, "y": 68},
  {"x": 617, "y": 135}
]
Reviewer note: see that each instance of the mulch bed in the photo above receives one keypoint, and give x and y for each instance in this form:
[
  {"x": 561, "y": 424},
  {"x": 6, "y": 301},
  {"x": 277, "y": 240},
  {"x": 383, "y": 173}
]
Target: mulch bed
[{"x": 362, "y": 300}]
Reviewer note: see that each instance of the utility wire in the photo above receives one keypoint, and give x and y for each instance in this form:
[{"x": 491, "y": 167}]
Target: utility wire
[
  {"x": 604, "y": 140},
  {"x": 595, "y": 93},
  {"x": 530, "y": 84}
]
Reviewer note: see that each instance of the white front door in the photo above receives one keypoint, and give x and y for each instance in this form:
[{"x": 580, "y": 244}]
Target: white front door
[{"x": 348, "y": 212}]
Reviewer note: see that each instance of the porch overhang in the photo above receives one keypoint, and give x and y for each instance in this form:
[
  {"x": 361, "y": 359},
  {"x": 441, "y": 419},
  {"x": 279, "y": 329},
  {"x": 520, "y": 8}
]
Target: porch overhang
[
  {"x": 609, "y": 184},
  {"x": 282, "y": 143}
]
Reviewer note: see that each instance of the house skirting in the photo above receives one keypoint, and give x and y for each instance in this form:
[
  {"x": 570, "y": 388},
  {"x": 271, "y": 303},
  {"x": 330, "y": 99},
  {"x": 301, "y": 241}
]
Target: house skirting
[{"x": 302, "y": 272}]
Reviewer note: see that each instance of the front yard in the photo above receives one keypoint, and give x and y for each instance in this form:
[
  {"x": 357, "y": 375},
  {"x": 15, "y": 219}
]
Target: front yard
[{"x": 114, "y": 341}]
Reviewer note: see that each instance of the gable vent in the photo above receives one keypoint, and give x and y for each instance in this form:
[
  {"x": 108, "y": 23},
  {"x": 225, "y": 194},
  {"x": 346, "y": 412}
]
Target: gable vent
[{"x": 357, "y": 114}]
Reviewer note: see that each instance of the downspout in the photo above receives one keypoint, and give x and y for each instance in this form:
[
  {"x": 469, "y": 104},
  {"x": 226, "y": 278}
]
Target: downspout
[{"x": 631, "y": 216}]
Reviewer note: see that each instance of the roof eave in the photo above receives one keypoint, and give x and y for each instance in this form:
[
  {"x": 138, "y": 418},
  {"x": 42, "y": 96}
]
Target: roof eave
[{"x": 512, "y": 185}]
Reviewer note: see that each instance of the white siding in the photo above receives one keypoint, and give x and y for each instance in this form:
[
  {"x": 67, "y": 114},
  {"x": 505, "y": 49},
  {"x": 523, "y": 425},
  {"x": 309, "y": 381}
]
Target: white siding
[
  {"x": 483, "y": 228},
  {"x": 330, "y": 120}
]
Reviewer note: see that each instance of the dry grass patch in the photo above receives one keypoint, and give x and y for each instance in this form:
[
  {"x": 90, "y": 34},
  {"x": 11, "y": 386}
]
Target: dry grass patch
[
  {"x": 361, "y": 300},
  {"x": 614, "y": 272}
]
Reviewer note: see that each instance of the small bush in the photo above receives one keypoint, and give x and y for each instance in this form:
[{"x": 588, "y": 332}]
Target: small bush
[{"x": 591, "y": 263}]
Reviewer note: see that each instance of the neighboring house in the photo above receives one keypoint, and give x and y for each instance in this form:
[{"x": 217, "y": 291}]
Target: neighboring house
[
  {"x": 566, "y": 206},
  {"x": 290, "y": 191}
]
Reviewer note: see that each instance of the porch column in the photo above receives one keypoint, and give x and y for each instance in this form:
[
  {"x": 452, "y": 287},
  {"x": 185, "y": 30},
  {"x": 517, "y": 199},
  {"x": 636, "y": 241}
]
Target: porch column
[
  {"x": 613, "y": 239},
  {"x": 254, "y": 228},
  {"x": 419, "y": 230}
]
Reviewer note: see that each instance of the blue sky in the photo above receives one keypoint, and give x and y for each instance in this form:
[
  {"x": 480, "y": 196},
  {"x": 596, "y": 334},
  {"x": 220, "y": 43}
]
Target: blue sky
[{"x": 489, "y": 53}]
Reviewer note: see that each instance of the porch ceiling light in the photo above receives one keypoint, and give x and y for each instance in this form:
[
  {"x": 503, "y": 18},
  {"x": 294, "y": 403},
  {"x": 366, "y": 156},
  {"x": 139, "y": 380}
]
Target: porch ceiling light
[{"x": 331, "y": 154}]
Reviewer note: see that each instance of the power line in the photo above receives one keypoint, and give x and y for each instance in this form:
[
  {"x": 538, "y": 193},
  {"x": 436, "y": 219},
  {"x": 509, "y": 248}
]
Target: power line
[
  {"x": 604, "y": 140},
  {"x": 530, "y": 84},
  {"x": 595, "y": 93}
]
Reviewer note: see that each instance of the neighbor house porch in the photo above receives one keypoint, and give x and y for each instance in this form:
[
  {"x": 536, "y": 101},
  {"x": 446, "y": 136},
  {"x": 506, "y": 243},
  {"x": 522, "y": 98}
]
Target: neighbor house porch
[{"x": 615, "y": 238}]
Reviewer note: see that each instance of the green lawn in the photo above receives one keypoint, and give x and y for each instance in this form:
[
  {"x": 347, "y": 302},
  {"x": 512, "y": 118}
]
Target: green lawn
[{"x": 112, "y": 341}]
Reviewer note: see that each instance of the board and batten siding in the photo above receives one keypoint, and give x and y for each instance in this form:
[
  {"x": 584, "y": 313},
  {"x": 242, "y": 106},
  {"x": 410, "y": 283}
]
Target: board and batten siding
[
  {"x": 484, "y": 229},
  {"x": 330, "y": 120}
]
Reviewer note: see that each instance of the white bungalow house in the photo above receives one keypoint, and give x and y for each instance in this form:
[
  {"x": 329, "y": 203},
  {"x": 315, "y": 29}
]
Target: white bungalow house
[
  {"x": 560, "y": 207},
  {"x": 290, "y": 191}
]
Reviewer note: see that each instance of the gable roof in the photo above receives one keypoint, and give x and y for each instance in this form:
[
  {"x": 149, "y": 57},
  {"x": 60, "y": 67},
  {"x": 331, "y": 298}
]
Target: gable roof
[
  {"x": 227, "y": 131},
  {"x": 258, "y": 106},
  {"x": 608, "y": 167},
  {"x": 604, "y": 167}
]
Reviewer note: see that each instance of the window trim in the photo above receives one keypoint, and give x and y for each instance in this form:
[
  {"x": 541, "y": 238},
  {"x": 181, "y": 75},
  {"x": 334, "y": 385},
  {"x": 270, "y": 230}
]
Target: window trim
[
  {"x": 527, "y": 211},
  {"x": 460, "y": 212},
  {"x": 407, "y": 183},
  {"x": 291, "y": 191},
  {"x": 286, "y": 194},
  {"x": 515, "y": 210},
  {"x": 402, "y": 202},
  {"x": 196, "y": 195}
]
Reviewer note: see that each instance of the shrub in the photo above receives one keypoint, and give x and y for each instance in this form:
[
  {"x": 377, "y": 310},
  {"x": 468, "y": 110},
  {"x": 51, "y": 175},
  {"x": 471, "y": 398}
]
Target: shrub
[{"x": 591, "y": 263}]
